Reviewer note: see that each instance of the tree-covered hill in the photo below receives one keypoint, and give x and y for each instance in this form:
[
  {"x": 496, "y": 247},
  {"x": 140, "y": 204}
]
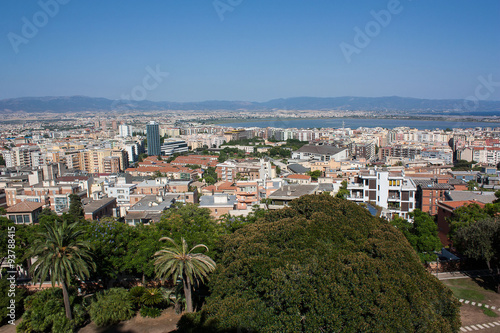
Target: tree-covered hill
[{"x": 322, "y": 265}]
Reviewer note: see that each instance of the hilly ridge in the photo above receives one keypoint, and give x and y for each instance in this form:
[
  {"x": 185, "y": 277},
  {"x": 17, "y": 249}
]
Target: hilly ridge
[{"x": 381, "y": 104}]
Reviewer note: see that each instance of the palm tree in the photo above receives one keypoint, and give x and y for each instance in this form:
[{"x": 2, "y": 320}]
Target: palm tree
[
  {"x": 180, "y": 262},
  {"x": 62, "y": 255}
]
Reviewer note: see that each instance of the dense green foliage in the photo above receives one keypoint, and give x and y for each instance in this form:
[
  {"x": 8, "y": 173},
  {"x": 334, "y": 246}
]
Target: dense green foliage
[
  {"x": 244, "y": 142},
  {"x": 62, "y": 255},
  {"x": 45, "y": 313},
  {"x": 190, "y": 222},
  {"x": 111, "y": 307},
  {"x": 343, "y": 191},
  {"x": 76, "y": 207},
  {"x": 471, "y": 213},
  {"x": 422, "y": 234},
  {"x": 279, "y": 152},
  {"x": 210, "y": 176},
  {"x": 6, "y": 294},
  {"x": 462, "y": 165},
  {"x": 314, "y": 174},
  {"x": 322, "y": 265},
  {"x": 481, "y": 241},
  {"x": 150, "y": 312}
]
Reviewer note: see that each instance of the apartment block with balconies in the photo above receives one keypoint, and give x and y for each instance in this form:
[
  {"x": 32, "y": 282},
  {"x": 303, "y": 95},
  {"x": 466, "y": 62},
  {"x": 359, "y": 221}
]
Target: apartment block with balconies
[{"x": 390, "y": 190}]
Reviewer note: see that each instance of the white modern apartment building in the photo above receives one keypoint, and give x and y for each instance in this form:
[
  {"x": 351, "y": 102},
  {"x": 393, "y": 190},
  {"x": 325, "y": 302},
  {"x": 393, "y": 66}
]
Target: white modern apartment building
[{"x": 387, "y": 189}]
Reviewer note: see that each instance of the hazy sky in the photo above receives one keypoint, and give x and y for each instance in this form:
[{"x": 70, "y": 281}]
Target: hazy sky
[{"x": 249, "y": 49}]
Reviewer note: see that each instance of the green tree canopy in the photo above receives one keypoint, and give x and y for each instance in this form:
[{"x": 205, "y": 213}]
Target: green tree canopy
[
  {"x": 422, "y": 234},
  {"x": 76, "y": 207},
  {"x": 62, "y": 255},
  {"x": 210, "y": 175},
  {"x": 466, "y": 215},
  {"x": 110, "y": 240},
  {"x": 322, "y": 265},
  {"x": 480, "y": 241},
  {"x": 191, "y": 222},
  {"x": 343, "y": 191},
  {"x": 314, "y": 174}
]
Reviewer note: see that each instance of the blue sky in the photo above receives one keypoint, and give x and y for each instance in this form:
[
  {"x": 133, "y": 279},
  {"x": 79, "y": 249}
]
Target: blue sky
[{"x": 260, "y": 50}]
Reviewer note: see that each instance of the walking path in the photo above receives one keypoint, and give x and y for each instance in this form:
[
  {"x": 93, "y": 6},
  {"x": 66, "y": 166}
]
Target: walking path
[
  {"x": 462, "y": 274},
  {"x": 478, "y": 327},
  {"x": 479, "y": 304}
]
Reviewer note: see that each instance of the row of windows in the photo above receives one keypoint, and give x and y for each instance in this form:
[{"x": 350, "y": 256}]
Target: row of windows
[{"x": 20, "y": 219}]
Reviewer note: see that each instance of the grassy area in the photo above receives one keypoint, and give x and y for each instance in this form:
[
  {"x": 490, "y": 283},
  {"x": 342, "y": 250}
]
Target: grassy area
[
  {"x": 467, "y": 289},
  {"x": 489, "y": 312}
]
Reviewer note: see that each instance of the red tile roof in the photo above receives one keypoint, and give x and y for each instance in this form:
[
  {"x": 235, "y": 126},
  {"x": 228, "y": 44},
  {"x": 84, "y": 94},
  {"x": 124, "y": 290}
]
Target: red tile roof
[
  {"x": 457, "y": 204},
  {"x": 24, "y": 207},
  {"x": 298, "y": 177}
]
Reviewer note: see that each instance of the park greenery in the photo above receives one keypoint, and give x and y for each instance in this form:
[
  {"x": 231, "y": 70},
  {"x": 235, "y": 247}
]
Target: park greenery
[
  {"x": 422, "y": 234},
  {"x": 463, "y": 165},
  {"x": 322, "y": 264}
]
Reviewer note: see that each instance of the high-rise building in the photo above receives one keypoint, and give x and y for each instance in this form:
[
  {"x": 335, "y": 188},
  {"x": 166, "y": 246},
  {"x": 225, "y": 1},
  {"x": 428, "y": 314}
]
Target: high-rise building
[
  {"x": 125, "y": 131},
  {"x": 153, "y": 136}
]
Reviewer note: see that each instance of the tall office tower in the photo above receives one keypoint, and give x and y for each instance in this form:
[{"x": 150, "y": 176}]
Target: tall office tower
[{"x": 153, "y": 136}]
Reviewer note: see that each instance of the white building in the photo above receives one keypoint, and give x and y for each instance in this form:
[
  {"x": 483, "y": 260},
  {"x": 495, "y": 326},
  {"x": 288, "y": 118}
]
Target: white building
[
  {"x": 125, "y": 131},
  {"x": 387, "y": 189}
]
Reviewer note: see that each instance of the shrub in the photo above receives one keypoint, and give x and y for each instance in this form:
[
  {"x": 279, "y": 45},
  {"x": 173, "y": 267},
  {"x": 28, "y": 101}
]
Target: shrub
[
  {"x": 136, "y": 294},
  {"x": 20, "y": 295},
  {"x": 150, "y": 312},
  {"x": 152, "y": 296},
  {"x": 45, "y": 312},
  {"x": 111, "y": 306}
]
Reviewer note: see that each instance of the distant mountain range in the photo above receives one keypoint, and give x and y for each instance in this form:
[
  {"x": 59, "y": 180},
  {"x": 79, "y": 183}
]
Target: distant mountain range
[{"x": 381, "y": 104}]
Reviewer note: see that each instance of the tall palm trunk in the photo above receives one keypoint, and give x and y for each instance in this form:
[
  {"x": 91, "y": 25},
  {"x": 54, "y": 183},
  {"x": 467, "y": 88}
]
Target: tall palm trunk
[
  {"x": 187, "y": 293},
  {"x": 67, "y": 306}
]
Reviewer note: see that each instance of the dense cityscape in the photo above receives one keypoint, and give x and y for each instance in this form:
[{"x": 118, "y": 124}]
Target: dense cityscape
[{"x": 233, "y": 166}]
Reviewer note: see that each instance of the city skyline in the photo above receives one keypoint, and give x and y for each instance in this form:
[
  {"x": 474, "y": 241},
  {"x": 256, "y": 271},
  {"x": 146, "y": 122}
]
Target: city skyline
[{"x": 250, "y": 51}]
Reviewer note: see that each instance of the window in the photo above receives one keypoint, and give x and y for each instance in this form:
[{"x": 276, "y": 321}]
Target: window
[{"x": 26, "y": 218}]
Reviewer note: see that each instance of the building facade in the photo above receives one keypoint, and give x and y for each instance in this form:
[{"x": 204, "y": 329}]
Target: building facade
[{"x": 153, "y": 136}]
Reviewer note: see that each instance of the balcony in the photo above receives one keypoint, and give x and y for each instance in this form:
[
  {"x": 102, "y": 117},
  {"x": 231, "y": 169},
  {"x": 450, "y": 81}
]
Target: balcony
[{"x": 393, "y": 206}]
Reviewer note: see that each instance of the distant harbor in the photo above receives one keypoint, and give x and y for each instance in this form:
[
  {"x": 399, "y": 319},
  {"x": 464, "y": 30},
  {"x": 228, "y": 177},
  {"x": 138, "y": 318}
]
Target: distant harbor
[{"x": 359, "y": 122}]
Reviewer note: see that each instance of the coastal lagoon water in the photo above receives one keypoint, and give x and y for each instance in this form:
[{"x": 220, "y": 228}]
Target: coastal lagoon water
[{"x": 360, "y": 122}]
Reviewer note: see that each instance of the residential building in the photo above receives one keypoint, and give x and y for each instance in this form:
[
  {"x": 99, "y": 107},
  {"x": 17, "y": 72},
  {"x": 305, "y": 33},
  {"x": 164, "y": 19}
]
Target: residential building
[
  {"x": 320, "y": 153},
  {"x": 280, "y": 198},
  {"x": 97, "y": 209},
  {"x": 24, "y": 212},
  {"x": 219, "y": 204},
  {"x": 298, "y": 179},
  {"x": 390, "y": 190}
]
